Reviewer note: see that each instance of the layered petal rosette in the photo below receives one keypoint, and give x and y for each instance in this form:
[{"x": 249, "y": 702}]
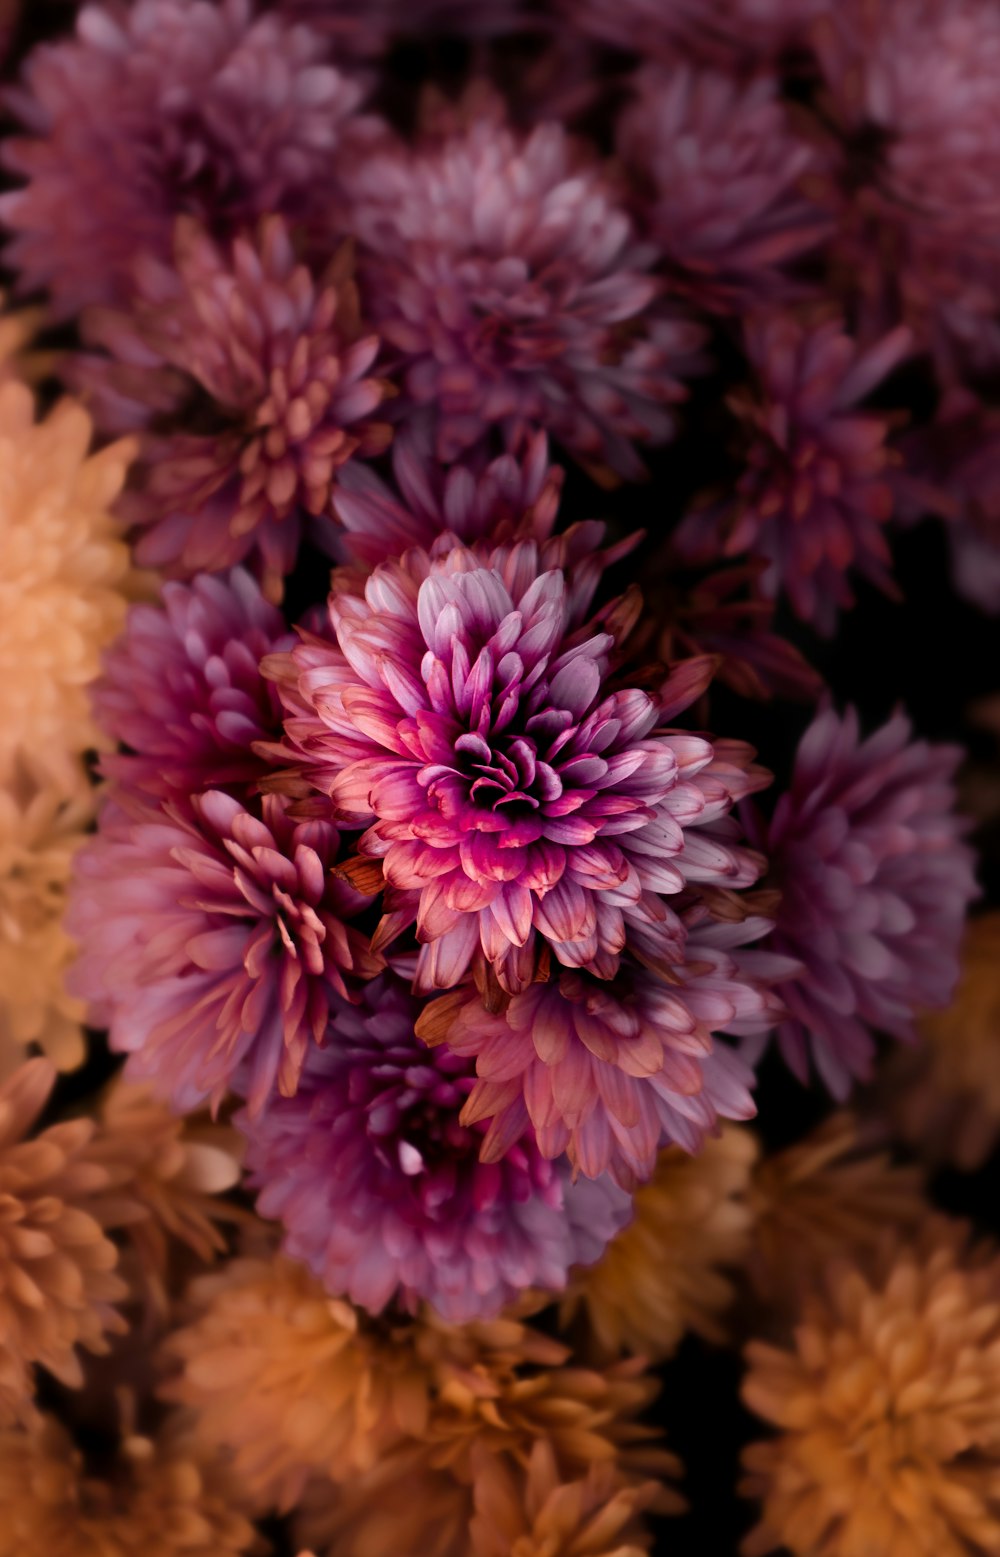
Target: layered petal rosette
[
  {"x": 876, "y": 880},
  {"x": 523, "y": 805},
  {"x": 213, "y": 942},
  {"x": 381, "y": 1188},
  {"x": 609, "y": 1071},
  {"x": 183, "y": 691}
]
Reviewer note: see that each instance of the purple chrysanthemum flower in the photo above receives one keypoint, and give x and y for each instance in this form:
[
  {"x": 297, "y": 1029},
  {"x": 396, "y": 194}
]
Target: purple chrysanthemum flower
[
  {"x": 517, "y": 800},
  {"x": 727, "y": 32},
  {"x": 723, "y": 177},
  {"x": 815, "y": 493},
  {"x": 609, "y": 1072},
  {"x": 911, "y": 89},
  {"x": 507, "y": 283},
  {"x": 163, "y": 107},
  {"x": 273, "y": 359},
  {"x": 866, "y": 848},
  {"x": 381, "y": 1188},
  {"x": 182, "y": 689},
  {"x": 213, "y": 943},
  {"x": 515, "y": 494}
]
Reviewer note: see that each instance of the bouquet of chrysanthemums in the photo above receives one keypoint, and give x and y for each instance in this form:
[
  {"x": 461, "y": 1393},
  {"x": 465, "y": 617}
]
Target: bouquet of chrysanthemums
[{"x": 500, "y": 689}]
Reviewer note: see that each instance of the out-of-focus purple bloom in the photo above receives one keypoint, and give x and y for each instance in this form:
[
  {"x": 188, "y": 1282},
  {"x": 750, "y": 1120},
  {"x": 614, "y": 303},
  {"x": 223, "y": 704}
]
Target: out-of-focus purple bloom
[
  {"x": 508, "y": 285},
  {"x": 273, "y": 360},
  {"x": 521, "y": 806},
  {"x": 815, "y": 493},
  {"x": 514, "y": 495},
  {"x": 866, "y": 849},
  {"x": 726, "y": 32},
  {"x": 183, "y": 691},
  {"x": 608, "y": 1072},
  {"x": 381, "y": 1188},
  {"x": 911, "y": 89},
  {"x": 213, "y": 943},
  {"x": 723, "y": 176},
  {"x": 162, "y": 107},
  {"x": 952, "y": 470}
]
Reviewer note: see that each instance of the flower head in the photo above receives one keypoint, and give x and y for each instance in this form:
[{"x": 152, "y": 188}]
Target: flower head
[
  {"x": 722, "y": 178},
  {"x": 182, "y": 689},
  {"x": 168, "y": 107},
  {"x": 58, "y": 1284},
  {"x": 41, "y": 827},
  {"x": 212, "y": 942},
  {"x": 814, "y": 496},
  {"x": 608, "y": 1070},
  {"x": 505, "y": 280},
  {"x": 667, "y": 1272},
  {"x": 64, "y": 569},
  {"x": 520, "y": 807},
  {"x": 479, "y": 499},
  {"x": 273, "y": 359},
  {"x": 837, "y": 1193},
  {"x": 161, "y": 1495},
  {"x": 885, "y": 1405},
  {"x": 867, "y": 851},
  {"x": 535, "y": 1513},
  {"x": 381, "y": 1189},
  {"x": 943, "y": 1097}
]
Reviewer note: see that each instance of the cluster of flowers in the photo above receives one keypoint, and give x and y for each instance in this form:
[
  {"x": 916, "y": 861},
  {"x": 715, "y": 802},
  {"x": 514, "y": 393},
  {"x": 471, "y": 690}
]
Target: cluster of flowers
[{"x": 346, "y": 793}]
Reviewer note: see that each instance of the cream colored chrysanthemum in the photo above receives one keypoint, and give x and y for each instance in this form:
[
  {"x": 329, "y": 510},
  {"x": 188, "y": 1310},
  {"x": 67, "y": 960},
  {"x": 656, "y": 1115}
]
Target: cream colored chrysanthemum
[
  {"x": 887, "y": 1410},
  {"x": 166, "y": 1175},
  {"x": 832, "y": 1193},
  {"x": 41, "y": 826},
  {"x": 162, "y": 1497},
  {"x": 58, "y": 1282},
  {"x": 667, "y": 1272},
  {"x": 943, "y": 1097},
  {"x": 64, "y": 570},
  {"x": 535, "y": 1513}
]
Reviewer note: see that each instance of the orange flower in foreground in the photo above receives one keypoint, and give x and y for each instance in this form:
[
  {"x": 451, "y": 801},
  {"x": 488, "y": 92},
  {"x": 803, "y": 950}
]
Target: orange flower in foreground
[
  {"x": 887, "y": 1410},
  {"x": 944, "y": 1097},
  {"x": 41, "y": 827},
  {"x": 158, "y": 1497},
  {"x": 58, "y": 1282},
  {"x": 666, "y": 1273},
  {"x": 831, "y": 1193}
]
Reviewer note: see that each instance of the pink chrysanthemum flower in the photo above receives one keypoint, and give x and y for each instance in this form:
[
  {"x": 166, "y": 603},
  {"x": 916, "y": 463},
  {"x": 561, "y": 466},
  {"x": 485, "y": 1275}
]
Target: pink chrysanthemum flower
[
  {"x": 277, "y": 362},
  {"x": 515, "y": 494},
  {"x": 213, "y": 943},
  {"x": 163, "y": 107},
  {"x": 381, "y": 1189},
  {"x": 507, "y": 283},
  {"x": 911, "y": 89},
  {"x": 518, "y": 802},
  {"x": 183, "y": 691},
  {"x": 815, "y": 494},
  {"x": 723, "y": 31},
  {"x": 609, "y": 1072},
  {"x": 722, "y": 174},
  {"x": 866, "y": 848}
]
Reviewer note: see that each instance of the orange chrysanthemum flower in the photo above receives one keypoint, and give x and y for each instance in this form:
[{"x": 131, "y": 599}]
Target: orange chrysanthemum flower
[
  {"x": 41, "y": 826},
  {"x": 666, "y": 1273},
  {"x": 64, "y": 570},
  {"x": 887, "y": 1410},
  {"x": 944, "y": 1097},
  {"x": 166, "y": 1175},
  {"x": 58, "y": 1284},
  {"x": 831, "y": 1193},
  {"x": 160, "y": 1497},
  {"x": 535, "y": 1513}
]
